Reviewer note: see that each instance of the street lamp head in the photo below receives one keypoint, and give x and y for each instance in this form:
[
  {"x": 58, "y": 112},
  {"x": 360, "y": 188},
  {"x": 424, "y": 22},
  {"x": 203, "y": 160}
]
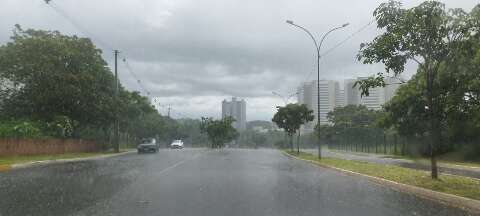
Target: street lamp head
[
  {"x": 346, "y": 24},
  {"x": 290, "y": 22}
]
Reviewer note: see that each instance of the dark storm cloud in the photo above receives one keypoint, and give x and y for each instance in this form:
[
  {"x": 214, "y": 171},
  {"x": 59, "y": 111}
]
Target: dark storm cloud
[{"x": 195, "y": 53}]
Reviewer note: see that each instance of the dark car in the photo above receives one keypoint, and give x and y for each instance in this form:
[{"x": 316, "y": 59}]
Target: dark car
[{"x": 147, "y": 145}]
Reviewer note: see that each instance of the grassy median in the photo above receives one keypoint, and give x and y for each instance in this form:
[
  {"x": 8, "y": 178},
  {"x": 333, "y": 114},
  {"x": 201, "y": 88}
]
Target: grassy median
[
  {"x": 445, "y": 160},
  {"x": 457, "y": 185}
]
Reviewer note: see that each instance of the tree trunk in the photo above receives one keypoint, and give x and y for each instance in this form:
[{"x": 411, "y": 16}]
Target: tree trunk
[
  {"x": 298, "y": 143},
  {"x": 434, "y": 128},
  {"x": 291, "y": 142},
  {"x": 384, "y": 143},
  {"x": 395, "y": 144}
]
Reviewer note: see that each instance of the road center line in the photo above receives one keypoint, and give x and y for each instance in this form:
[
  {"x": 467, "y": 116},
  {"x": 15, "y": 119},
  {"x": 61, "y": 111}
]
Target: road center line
[{"x": 179, "y": 163}]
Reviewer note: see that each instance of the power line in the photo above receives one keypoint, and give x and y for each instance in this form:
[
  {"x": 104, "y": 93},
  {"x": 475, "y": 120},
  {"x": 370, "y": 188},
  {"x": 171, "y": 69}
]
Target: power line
[
  {"x": 340, "y": 43},
  {"x": 98, "y": 40},
  {"x": 171, "y": 111},
  {"x": 139, "y": 82},
  {"x": 348, "y": 38},
  {"x": 77, "y": 25}
]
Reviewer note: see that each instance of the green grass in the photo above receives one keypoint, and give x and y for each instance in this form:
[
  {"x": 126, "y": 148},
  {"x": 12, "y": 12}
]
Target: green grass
[
  {"x": 9, "y": 160},
  {"x": 457, "y": 185},
  {"x": 452, "y": 158},
  {"x": 444, "y": 159}
]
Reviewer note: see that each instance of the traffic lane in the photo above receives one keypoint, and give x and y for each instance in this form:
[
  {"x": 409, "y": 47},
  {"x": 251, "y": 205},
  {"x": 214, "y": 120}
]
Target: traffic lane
[
  {"x": 259, "y": 182},
  {"x": 61, "y": 189},
  {"x": 396, "y": 162}
]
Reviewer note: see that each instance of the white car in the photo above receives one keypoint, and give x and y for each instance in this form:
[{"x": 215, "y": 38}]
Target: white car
[{"x": 176, "y": 144}]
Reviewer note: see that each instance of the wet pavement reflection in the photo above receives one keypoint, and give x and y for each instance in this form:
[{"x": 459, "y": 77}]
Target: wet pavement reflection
[{"x": 201, "y": 182}]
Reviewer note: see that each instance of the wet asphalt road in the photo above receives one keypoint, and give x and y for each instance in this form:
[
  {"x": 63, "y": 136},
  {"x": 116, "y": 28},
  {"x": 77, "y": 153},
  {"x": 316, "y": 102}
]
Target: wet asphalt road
[
  {"x": 472, "y": 172},
  {"x": 201, "y": 182}
]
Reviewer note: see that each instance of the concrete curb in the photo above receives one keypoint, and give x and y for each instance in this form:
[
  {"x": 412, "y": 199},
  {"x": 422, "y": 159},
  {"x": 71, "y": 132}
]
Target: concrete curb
[
  {"x": 59, "y": 161},
  {"x": 470, "y": 205}
]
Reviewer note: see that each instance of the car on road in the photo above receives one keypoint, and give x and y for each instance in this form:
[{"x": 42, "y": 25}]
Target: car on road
[
  {"x": 176, "y": 144},
  {"x": 147, "y": 145}
]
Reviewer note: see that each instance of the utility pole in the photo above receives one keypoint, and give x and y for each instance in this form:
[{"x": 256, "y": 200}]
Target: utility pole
[
  {"x": 168, "y": 114},
  {"x": 117, "y": 123}
]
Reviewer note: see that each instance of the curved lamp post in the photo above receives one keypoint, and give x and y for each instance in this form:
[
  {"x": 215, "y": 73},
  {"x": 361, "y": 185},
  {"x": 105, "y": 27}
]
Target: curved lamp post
[
  {"x": 285, "y": 98},
  {"x": 317, "y": 48}
]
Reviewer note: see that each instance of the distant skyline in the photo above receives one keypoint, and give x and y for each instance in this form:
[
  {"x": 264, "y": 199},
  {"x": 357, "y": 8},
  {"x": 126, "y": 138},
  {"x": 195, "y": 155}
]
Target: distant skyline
[{"x": 193, "y": 54}]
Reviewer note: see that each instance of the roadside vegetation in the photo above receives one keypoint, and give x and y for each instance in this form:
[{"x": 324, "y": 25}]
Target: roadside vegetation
[
  {"x": 456, "y": 185},
  {"x": 59, "y": 86},
  {"x": 435, "y": 114},
  {"x": 290, "y": 118},
  {"x": 219, "y": 132},
  {"x": 448, "y": 159},
  {"x": 441, "y": 101},
  {"x": 18, "y": 159}
]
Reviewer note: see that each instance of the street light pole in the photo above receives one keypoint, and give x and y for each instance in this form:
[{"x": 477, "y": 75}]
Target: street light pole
[
  {"x": 117, "y": 124},
  {"x": 285, "y": 98},
  {"x": 317, "y": 48}
]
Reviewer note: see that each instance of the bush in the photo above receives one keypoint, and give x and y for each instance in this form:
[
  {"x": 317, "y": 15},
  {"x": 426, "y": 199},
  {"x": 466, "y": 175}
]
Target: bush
[
  {"x": 20, "y": 129},
  {"x": 61, "y": 126}
]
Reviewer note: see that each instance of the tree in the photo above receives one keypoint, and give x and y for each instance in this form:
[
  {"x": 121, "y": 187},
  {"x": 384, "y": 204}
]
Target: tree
[
  {"x": 291, "y": 117},
  {"x": 352, "y": 122},
  {"x": 426, "y": 34},
  {"x": 219, "y": 132},
  {"x": 258, "y": 139},
  {"x": 352, "y": 116},
  {"x": 190, "y": 129},
  {"x": 45, "y": 74},
  {"x": 62, "y": 84}
]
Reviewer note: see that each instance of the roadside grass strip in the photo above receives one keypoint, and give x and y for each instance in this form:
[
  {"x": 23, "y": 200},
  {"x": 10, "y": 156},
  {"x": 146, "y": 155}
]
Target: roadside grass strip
[
  {"x": 4, "y": 167},
  {"x": 450, "y": 184},
  {"x": 7, "y": 161}
]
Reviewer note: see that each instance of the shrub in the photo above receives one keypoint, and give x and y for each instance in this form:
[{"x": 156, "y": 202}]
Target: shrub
[{"x": 20, "y": 129}]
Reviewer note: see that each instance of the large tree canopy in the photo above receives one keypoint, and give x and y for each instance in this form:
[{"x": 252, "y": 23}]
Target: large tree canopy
[
  {"x": 60, "y": 86},
  {"x": 45, "y": 74},
  {"x": 220, "y": 131},
  {"x": 291, "y": 117},
  {"x": 429, "y": 35}
]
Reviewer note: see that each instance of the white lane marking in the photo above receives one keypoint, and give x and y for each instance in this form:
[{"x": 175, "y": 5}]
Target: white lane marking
[{"x": 179, "y": 163}]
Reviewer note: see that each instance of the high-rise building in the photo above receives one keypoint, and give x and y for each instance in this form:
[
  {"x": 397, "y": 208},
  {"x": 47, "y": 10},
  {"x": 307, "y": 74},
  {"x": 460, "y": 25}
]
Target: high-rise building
[
  {"x": 377, "y": 96},
  {"x": 237, "y": 110},
  {"x": 350, "y": 93},
  {"x": 329, "y": 92},
  {"x": 392, "y": 85},
  {"x": 340, "y": 97},
  {"x": 332, "y": 96}
]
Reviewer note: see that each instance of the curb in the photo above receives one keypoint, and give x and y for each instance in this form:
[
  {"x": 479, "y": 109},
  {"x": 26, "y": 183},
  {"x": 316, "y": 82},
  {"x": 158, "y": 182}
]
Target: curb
[
  {"x": 470, "y": 205},
  {"x": 59, "y": 161}
]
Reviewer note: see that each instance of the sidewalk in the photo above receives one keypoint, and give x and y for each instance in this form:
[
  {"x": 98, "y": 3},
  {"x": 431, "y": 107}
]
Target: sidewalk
[{"x": 467, "y": 171}]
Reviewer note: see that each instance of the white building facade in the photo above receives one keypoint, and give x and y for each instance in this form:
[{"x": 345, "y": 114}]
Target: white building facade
[
  {"x": 237, "y": 109},
  {"x": 331, "y": 96},
  {"x": 377, "y": 96},
  {"x": 329, "y": 99}
]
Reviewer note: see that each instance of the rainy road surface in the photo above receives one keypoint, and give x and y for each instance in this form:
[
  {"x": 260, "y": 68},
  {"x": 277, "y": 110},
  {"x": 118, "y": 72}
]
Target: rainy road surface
[{"x": 201, "y": 182}]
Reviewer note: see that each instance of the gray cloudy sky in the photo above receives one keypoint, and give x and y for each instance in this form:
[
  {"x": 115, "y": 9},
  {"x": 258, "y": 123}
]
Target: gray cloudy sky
[{"x": 192, "y": 54}]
